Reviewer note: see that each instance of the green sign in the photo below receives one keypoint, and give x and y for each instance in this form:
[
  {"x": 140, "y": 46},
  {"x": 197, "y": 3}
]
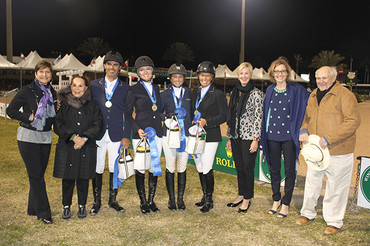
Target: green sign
[{"x": 365, "y": 183}]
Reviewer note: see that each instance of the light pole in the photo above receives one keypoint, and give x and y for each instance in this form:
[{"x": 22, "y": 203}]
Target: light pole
[
  {"x": 242, "y": 34},
  {"x": 9, "y": 31}
]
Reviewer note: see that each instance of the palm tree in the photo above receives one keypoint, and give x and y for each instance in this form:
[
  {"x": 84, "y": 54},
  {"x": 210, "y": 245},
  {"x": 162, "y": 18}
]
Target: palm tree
[
  {"x": 93, "y": 47},
  {"x": 298, "y": 59},
  {"x": 178, "y": 52},
  {"x": 328, "y": 58}
]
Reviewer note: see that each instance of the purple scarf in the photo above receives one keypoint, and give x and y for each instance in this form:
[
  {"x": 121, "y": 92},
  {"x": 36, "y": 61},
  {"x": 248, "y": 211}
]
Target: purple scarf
[{"x": 45, "y": 107}]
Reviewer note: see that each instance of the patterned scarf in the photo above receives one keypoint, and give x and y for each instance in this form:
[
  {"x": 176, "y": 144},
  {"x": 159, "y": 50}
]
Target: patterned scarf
[{"x": 45, "y": 107}]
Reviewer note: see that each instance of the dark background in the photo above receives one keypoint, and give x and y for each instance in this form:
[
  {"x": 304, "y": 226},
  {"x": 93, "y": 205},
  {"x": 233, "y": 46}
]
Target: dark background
[{"x": 210, "y": 27}]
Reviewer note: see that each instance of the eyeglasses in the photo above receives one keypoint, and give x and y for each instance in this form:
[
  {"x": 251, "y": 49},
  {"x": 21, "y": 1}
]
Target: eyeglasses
[{"x": 280, "y": 71}]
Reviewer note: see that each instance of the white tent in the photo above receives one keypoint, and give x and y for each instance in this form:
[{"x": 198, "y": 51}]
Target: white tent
[
  {"x": 296, "y": 78},
  {"x": 98, "y": 65},
  {"x": 30, "y": 61},
  {"x": 5, "y": 64},
  {"x": 70, "y": 62},
  {"x": 222, "y": 71},
  {"x": 260, "y": 74}
]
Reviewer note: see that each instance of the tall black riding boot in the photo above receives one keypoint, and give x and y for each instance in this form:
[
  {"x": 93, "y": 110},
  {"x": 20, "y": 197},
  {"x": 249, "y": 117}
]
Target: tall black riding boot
[
  {"x": 97, "y": 184},
  {"x": 203, "y": 184},
  {"x": 210, "y": 182},
  {"x": 139, "y": 178},
  {"x": 170, "y": 180},
  {"x": 112, "y": 196},
  {"x": 181, "y": 182},
  {"x": 152, "y": 187}
]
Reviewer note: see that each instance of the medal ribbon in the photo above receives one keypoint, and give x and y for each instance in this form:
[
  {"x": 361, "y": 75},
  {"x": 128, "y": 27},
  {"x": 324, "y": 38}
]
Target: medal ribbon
[
  {"x": 152, "y": 97},
  {"x": 199, "y": 101},
  {"x": 156, "y": 162},
  {"x": 109, "y": 96},
  {"x": 180, "y": 116}
]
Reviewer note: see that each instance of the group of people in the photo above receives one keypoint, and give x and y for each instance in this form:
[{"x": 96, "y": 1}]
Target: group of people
[{"x": 94, "y": 119}]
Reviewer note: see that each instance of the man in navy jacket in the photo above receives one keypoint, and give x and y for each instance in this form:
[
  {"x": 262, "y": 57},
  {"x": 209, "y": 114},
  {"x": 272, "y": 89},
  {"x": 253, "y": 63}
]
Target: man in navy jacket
[{"x": 110, "y": 93}]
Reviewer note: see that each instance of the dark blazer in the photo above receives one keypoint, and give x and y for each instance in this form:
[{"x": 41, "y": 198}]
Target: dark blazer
[
  {"x": 139, "y": 100},
  {"x": 168, "y": 106},
  {"x": 113, "y": 117},
  {"x": 28, "y": 98},
  {"x": 213, "y": 108},
  {"x": 86, "y": 121}
]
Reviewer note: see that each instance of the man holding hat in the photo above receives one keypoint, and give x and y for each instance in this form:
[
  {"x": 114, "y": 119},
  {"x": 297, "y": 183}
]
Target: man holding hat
[
  {"x": 111, "y": 94},
  {"x": 332, "y": 114}
]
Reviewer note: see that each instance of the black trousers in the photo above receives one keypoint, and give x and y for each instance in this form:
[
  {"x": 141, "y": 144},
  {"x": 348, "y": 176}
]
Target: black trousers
[
  {"x": 288, "y": 149},
  {"x": 244, "y": 164},
  {"x": 36, "y": 157},
  {"x": 68, "y": 187}
]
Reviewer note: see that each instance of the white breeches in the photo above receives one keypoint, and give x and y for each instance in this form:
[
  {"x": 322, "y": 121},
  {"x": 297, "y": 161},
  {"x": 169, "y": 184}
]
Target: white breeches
[{"x": 204, "y": 161}]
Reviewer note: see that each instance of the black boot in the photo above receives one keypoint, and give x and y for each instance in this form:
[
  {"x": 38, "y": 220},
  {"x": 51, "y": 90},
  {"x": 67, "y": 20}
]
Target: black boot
[
  {"x": 66, "y": 213},
  {"x": 203, "y": 184},
  {"x": 210, "y": 182},
  {"x": 81, "y": 214},
  {"x": 112, "y": 196},
  {"x": 181, "y": 181},
  {"x": 139, "y": 178},
  {"x": 97, "y": 184},
  {"x": 170, "y": 180},
  {"x": 152, "y": 187}
]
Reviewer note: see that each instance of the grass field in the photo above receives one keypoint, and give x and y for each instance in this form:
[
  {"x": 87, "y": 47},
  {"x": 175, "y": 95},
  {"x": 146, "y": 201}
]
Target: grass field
[{"x": 221, "y": 226}]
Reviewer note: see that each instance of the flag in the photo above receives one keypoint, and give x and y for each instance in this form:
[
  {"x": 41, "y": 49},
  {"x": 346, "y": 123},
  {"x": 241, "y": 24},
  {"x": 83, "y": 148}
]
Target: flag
[
  {"x": 125, "y": 64},
  {"x": 93, "y": 61},
  {"x": 57, "y": 59},
  {"x": 22, "y": 56}
]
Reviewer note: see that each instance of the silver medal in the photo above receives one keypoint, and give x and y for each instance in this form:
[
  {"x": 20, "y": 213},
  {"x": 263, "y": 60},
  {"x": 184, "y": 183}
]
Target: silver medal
[{"x": 108, "y": 104}]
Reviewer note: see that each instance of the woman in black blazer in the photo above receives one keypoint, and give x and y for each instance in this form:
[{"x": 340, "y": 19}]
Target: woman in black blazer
[
  {"x": 34, "y": 135},
  {"x": 145, "y": 99},
  {"x": 176, "y": 99},
  {"x": 211, "y": 104}
]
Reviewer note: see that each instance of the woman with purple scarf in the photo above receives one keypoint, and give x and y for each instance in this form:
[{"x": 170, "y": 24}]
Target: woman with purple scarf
[{"x": 34, "y": 135}]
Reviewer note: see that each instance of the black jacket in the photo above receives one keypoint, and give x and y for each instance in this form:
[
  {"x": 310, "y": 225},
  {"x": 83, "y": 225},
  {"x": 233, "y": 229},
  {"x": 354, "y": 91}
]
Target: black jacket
[
  {"x": 139, "y": 100},
  {"x": 28, "y": 98},
  {"x": 168, "y": 106},
  {"x": 76, "y": 116},
  {"x": 213, "y": 108}
]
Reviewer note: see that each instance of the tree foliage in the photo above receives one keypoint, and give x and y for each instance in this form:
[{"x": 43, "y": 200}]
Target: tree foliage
[
  {"x": 298, "y": 59},
  {"x": 178, "y": 52},
  {"x": 328, "y": 58},
  {"x": 93, "y": 47}
]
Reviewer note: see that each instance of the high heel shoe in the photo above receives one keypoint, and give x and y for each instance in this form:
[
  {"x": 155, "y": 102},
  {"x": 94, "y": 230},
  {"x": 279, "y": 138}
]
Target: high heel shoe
[
  {"x": 244, "y": 211},
  {"x": 275, "y": 206},
  {"x": 47, "y": 221},
  {"x": 286, "y": 209},
  {"x": 233, "y": 205}
]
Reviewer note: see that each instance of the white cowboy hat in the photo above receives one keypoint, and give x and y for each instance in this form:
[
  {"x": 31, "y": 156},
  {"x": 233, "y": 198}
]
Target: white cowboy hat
[{"x": 316, "y": 157}]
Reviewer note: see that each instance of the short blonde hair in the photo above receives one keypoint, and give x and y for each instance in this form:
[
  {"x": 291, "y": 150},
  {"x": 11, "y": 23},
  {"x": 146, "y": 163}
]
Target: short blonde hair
[
  {"x": 280, "y": 61},
  {"x": 245, "y": 65}
]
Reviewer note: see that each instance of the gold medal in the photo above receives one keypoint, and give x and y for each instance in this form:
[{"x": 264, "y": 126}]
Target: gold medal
[
  {"x": 154, "y": 107},
  {"x": 195, "y": 112}
]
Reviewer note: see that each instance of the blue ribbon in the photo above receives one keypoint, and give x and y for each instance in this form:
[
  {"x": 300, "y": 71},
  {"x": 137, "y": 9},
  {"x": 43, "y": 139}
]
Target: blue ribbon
[
  {"x": 152, "y": 97},
  {"x": 117, "y": 182},
  {"x": 181, "y": 113},
  {"x": 156, "y": 161},
  {"x": 109, "y": 96},
  {"x": 197, "y": 117}
]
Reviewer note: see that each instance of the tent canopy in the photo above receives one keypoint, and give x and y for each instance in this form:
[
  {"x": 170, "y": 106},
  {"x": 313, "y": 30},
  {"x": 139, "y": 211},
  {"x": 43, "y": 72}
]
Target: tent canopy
[
  {"x": 222, "y": 71},
  {"x": 5, "y": 64},
  {"x": 30, "y": 61},
  {"x": 70, "y": 62}
]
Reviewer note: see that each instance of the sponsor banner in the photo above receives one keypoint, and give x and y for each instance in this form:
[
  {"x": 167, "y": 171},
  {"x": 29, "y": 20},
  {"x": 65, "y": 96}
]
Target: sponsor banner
[
  {"x": 363, "y": 199},
  {"x": 224, "y": 162}
]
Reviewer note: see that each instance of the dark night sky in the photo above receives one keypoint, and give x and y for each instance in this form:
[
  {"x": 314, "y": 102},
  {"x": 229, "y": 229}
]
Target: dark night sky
[{"x": 210, "y": 27}]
